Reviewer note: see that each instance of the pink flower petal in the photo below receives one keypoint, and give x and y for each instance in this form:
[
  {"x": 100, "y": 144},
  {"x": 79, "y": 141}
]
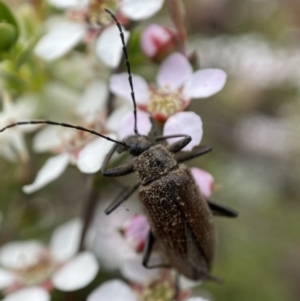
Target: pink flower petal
[
  {"x": 174, "y": 71},
  {"x": 77, "y": 273},
  {"x": 154, "y": 39},
  {"x": 113, "y": 290},
  {"x": 204, "y": 83},
  {"x": 91, "y": 157},
  {"x": 21, "y": 254},
  {"x": 109, "y": 46},
  {"x": 59, "y": 40},
  {"x": 50, "y": 171},
  {"x": 119, "y": 85},
  {"x": 188, "y": 123},
  {"x": 113, "y": 121},
  {"x": 140, "y": 9},
  {"x": 65, "y": 240},
  {"x": 33, "y": 293},
  {"x": 136, "y": 231},
  {"x": 126, "y": 125},
  {"x": 204, "y": 180}
]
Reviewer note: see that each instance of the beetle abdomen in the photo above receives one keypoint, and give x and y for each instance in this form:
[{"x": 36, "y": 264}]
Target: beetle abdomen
[{"x": 181, "y": 221}]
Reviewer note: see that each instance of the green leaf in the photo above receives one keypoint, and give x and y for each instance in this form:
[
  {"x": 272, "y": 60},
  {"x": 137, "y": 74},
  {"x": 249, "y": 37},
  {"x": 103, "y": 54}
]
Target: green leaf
[
  {"x": 8, "y": 36},
  {"x": 9, "y": 27}
]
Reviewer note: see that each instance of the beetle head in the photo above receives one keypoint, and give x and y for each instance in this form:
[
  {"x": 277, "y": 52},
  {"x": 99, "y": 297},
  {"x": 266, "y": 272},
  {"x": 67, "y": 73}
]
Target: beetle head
[{"x": 135, "y": 145}]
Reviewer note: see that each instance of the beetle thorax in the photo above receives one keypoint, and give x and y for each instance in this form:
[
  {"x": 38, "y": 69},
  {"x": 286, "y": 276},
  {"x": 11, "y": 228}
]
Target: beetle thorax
[{"x": 153, "y": 163}]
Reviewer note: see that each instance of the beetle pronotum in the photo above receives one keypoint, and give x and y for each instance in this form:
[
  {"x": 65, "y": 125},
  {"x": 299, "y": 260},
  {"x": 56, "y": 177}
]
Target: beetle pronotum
[{"x": 181, "y": 220}]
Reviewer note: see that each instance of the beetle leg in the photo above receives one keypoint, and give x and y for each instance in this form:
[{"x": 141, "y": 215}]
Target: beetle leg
[
  {"x": 222, "y": 210},
  {"x": 193, "y": 154},
  {"x": 178, "y": 145},
  {"x": 125, "y": 194},
  {"x": 117, "y": 171},
  {"x": 147, "y": 253}
]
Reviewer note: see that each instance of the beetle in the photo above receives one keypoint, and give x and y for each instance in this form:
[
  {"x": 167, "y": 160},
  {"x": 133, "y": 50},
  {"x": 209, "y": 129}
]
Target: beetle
[{"x": 180, "y": 218}]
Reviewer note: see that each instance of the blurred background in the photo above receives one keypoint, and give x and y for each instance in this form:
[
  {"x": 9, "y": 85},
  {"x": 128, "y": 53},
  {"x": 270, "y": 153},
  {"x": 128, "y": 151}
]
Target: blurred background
[{"x": 253, "y": 125}]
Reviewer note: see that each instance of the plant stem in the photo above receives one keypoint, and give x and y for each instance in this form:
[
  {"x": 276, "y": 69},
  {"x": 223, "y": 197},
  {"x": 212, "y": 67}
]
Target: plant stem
[{"x": 177, "y": 15}]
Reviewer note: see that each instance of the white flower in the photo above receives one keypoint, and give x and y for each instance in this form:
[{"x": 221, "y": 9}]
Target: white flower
[
  {"x": 176, "y": 85},
  {"x": 71, "y": 146},
  {"x": 63, "y": 37},
  {"x": 117, "y": 290},
  {"x": 188, "y": 123},
  {"x": 12, "y": 142},
  {"x": 30, "y": 269}
]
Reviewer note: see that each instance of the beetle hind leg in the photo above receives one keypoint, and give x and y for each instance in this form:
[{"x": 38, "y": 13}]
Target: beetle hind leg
[
  {"x": 221, "y": 210},
  {"x": 148, "y": 251}
]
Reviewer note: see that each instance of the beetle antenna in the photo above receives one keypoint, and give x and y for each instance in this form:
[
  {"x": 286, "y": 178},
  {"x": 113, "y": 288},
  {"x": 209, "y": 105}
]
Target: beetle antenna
[
  {"x": 64, "y": 125},
  {"x": 127, "y": 66}
]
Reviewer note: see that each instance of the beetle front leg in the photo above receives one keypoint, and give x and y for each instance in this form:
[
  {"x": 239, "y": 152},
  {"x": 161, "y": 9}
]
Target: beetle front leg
[
  {"x": 182, "y": 157},
  {"x": 125, "y": 194},
  {"x": 118, "y": 171},
  {"x": 147, "y": 253}
]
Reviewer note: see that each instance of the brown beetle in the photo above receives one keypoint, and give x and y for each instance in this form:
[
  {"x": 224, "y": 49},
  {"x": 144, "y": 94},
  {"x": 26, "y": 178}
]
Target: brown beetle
[{"x": 181, "y": 220}]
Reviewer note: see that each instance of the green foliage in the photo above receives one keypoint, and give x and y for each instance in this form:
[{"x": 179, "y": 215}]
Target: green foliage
[{"x": 9, "y": 30}]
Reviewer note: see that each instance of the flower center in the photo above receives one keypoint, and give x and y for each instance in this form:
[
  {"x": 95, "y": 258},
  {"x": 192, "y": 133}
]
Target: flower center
[
  {"x": 97, "y": 14},
  {"x": 165, "y": 103},
  {"x": 160, "y": 291},
  {"x": 39, "y": 272}
]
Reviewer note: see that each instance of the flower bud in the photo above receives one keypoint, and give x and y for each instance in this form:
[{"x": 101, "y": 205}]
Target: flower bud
[{"x": 157, "y": 42}]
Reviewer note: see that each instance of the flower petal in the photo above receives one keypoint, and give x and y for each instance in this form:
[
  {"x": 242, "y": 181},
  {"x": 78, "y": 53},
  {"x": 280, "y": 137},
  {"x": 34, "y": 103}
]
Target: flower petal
[
  {"x": 49, "y": 138},
  {"x": 174, "y": 71},
  {"x": 156, "y": 40},
  {"x": 136, "y": 230},
  {"x": 91, "y": 157},
  {"x": 33, "y": 293},
  {"x": 197, "y": 299},
  {"x": 93, "y": 100},
  {"x": 77, "y": 273},
  {"x": 133, "y": 270},
  {"x": 113, "y": 121},
  {"x": 50, "y": 171},
  {"x": 126, "y": 127},
  {"x": 6, "y": 279},
  {"x": 139, "y": 9},
  {"x": 113, "y": 290},
  {"x": 204, "y": 83},
  {"x": 21, "y": 254},
  {"x": 59, "y": 40},
  {"x": 204, "y": 180},
  {"x": 109, "y": 46},
  {"x": 119, "y": 85},
  {"x": 188, "y": 123},
  {"x": 65, "y": 240},
  {"x": 68, "y": 4}
]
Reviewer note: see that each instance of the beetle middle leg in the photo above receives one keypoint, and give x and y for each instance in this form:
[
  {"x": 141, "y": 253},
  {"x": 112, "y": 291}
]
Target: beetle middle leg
[{"x": 121, "y": 198}]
